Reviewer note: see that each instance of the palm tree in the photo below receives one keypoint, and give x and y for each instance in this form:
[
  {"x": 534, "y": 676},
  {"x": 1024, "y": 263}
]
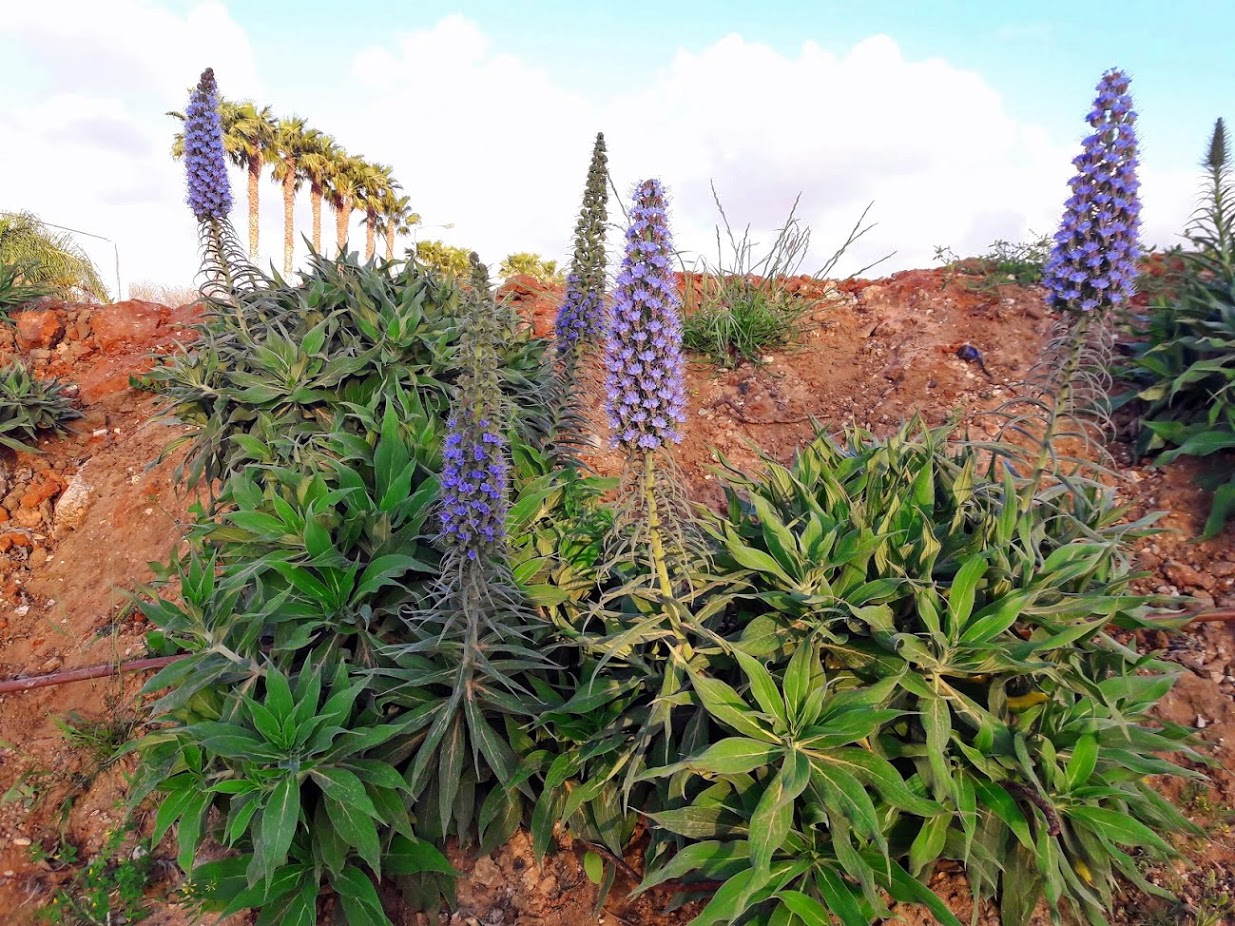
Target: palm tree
[
  {"x": 395, "y": 218},
  {"x": 285, "y": 154},
  {"x": 316, "y": 163},
  {"x": 343, "y": 185},
  {"x": 376, "y": 183},
  {"x": 248, "y": 133}
]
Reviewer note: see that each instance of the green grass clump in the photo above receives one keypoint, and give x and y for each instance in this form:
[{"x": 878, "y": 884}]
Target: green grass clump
[
  {"x": 740, "y": 321},
  {"x": 30, "y": 407},
  {"x": 744, "y": 308},
  {"x": 1183, "y": 363}
]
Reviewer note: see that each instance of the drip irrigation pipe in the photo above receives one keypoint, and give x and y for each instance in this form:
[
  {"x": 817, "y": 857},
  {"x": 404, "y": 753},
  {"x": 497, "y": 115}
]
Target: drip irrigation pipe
[{"x": 1218, "y": 615}]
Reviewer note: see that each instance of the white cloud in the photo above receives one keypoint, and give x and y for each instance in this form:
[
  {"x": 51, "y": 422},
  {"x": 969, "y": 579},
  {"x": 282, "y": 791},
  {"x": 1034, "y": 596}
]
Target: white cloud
[{"x": 487, "y": 141}]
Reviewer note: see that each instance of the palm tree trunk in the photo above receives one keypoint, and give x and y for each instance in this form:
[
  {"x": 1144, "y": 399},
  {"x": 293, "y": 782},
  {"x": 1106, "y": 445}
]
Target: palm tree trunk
[
  {"x": 390, "y": 240},
  {"x": 255, "y": 178},
  {"x": 342, "y": 214},
  {"x": 370, "y": 235},
  {"x": 289, "y": 203},
  {"x": 315, "y": 193}
]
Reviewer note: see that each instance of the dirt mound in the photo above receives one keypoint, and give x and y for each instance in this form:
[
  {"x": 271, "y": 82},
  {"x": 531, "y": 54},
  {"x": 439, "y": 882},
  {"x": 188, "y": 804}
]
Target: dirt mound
[{"x": 80, "y": 521}]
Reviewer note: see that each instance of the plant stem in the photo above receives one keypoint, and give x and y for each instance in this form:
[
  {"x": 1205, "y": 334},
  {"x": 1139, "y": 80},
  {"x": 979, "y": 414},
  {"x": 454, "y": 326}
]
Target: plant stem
[
  {"x": 654, "y": 535},
  {"x": 1059, "y": 401}
]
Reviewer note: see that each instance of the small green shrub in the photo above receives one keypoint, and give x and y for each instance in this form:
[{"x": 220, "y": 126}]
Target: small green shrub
[
  {"x": 888, "y": 662},
  {"x": 30, "y": 406},
  {"x": 15, "y": 292},
  {"x": 1183, "y": 363},
  {"x": 740, "y": 321},
  {"x": 271, "y": 381},
  {"x": 110, "y": 888},
  {"x": 1018, "y": 262},
  {"x": 49, "y": 260}
]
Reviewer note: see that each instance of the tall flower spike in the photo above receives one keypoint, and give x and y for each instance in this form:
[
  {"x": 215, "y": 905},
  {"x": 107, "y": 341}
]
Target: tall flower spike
[
  {"x": 210, "y": 195},
  {"x": 1093, "y": 264},
  {"x": 474, "y": 471},
  {"x": 581, "y": 316},
  {"x": 645, "y": 392}
]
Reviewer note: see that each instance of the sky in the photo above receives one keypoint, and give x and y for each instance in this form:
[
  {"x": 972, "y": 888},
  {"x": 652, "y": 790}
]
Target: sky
[{"x": 956, "y": 122}]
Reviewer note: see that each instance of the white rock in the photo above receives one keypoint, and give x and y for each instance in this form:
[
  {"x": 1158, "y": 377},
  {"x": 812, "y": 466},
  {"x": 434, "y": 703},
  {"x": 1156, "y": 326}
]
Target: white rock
[{"x": 73, "y": 503}]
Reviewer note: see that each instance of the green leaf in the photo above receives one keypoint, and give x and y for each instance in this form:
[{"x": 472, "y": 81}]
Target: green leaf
[
  {"x": 839, "y": 897},
  {"x": 278, "y": 694},
  {"x": 798, "y": 676},
  {"x": 807, "y": 909},
  {"x": 357, "y": 829},
  {"x": 732, "y": 756},
  {"x": 723, "y": 703},
  {"x": 1118, "y": 827},
  {"x": 358, "y": 896},
  {"x": 928, "y": 844},
  {"x": 1084, "y": 759},
  {"x": 998, "y": 801},
  {"x": 415, "y": 856},
  {"x": 710, "y": 858},
  {"x": 594, "y": 866},
  {"x": 961, "y": 594},
  {"x": 278, "y": 822},
  {"x": 773, "y": 816},
  {"x": 757, "y": 560},
  {"x": 762, "y": 687},
  {"x": 381, "y": 572},
  {"x": 344, "y": 787}
]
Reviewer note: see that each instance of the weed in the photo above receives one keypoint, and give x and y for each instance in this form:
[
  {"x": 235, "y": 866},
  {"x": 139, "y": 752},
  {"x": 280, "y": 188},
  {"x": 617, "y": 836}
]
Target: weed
[
  {"x": 1005, "y": 262},
  {"x": 109, "y": 889},
  {"x": 744, "y": 306}
]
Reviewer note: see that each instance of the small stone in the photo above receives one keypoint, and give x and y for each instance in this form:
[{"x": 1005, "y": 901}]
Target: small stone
[
  {"x": 1201, "y": 722},
  {"x": 21, "y": 841}
]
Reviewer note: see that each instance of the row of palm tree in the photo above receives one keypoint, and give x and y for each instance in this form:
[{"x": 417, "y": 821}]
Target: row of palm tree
[{"x": 299, "y": 154}]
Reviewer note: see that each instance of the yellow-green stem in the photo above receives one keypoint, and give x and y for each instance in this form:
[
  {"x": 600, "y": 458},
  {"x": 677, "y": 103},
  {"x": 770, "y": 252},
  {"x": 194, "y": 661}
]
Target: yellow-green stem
[
  {"x": 1060, "y": 400},
  {"x": 654, "y": 535}
]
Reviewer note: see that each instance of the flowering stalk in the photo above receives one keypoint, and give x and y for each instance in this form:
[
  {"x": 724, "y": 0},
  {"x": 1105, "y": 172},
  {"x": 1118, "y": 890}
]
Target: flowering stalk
[
  {"x": 474, "y": 472},
  {"x": 1092, "y": 269},
  {"x": 645, "y": 388},
  {"x": 210, "y": 197},
  {"x": 1093, "y": 265},
  {"x": 580, "y": 318}
]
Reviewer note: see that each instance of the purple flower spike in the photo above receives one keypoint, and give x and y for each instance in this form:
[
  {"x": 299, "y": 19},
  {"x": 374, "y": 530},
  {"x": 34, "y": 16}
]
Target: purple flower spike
[
  {"x": 475, "y": 474},
  {"x": 646, "y": 394},
  {"x": 1094, "y": 262},
  {"x": 210, "y": 194},
  {"x": 474, "y": 478}
]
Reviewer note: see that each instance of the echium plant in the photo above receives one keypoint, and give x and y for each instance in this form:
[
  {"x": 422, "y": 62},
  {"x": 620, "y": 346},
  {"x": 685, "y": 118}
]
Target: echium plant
[
  {"x": 474, "y": 467},
  {"x": 224, "y": 266},
  {"x": 1093, "y": 265},
  {"x": 1091, "y": 271},
  {"x": 580, "y": 319},
  {"x": 645, "y": 397},
  {"x": 471, "y": 640}
]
